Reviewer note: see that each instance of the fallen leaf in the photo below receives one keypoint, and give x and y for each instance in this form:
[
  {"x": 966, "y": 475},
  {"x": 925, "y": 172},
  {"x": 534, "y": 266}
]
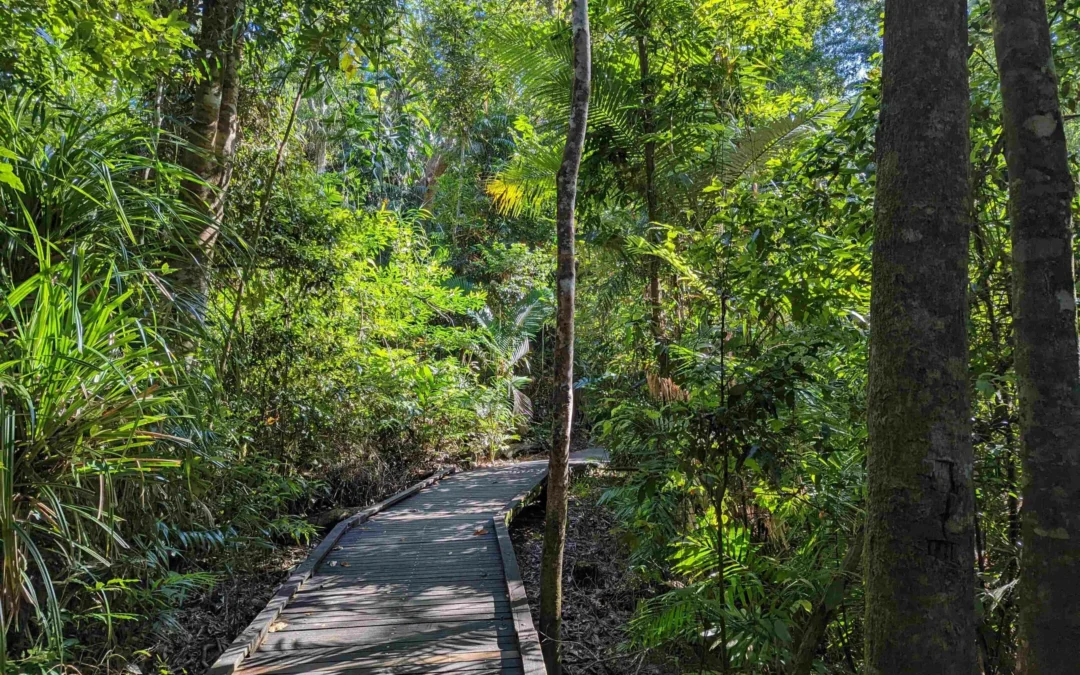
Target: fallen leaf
[
  {"x": 479, "y": 531},
  {"x": 277, "y": 625}
]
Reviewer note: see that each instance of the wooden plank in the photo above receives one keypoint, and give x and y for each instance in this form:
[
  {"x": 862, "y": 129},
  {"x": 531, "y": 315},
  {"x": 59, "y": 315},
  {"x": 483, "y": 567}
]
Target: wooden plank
[
  {"x": 315, "y": 596},
  {"x": 396, "y": 663},
  {"x": 441, "y": 631},
  {"x": 393, "y": 608},
  {"x": 434, "y": 555},
  {"x": 405, "y": 589},
  {"x": 528, "y": 641},
  {"x": 448, "y": 574},
  {"x": 305, "y": 622},
  {"x": 433, "y": 559},
  {"x": 489, "y": 667},
  {"x": 362, "y": 656}
]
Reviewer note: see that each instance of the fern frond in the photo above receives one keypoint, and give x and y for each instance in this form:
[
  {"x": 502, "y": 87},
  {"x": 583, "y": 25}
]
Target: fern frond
[{"x": 767, "y": 141}]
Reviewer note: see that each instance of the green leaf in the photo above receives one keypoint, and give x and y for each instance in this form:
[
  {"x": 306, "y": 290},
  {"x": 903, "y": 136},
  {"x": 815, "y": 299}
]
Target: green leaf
[
  {"x": 8, "y": 177},
  {"x": 835, "y": 593},
  {"x": 781, "y": 630}
]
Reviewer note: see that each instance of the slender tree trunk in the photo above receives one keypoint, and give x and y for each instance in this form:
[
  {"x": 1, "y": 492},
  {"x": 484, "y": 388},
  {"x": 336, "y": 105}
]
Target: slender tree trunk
[
  {"x": 655, "y": 292},
  {"x": 227, "y": 128},
  {"x": 563, "y": 401},
  {"x": 919, "y": 556},
  {"x": 212, "y": 129},
  {"x": 260, "y": 217},
  {"x": 814, "y": 631},
  {"x": 1047, "y": 354}
]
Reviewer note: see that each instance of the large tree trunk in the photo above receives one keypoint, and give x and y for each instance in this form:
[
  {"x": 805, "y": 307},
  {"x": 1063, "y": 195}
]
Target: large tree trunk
[
  {"x": 1047, "y": 356},
  {"x": 919, "y": 557},
  {"x": 563, "y": 403}
]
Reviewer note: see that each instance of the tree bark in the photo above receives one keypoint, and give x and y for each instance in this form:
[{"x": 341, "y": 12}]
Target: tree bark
[
  {"x": 213, "y": 129},
  {"x": 655, "y": 292},
  {"x": 1047, "y": 353},
  {"x": 919, "y": 556},
  {"x": 563, "y": 401},
  {"x": 825, "y": 611}
]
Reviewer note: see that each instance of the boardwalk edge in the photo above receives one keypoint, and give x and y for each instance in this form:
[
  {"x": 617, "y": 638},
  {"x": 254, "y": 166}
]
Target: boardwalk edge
[
  {"x": 532, "y": 657},
  {"x": 250, "y": 638}
]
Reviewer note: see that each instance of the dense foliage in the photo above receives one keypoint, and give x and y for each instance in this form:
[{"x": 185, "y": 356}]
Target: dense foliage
[{"x": 183, "y": 384}]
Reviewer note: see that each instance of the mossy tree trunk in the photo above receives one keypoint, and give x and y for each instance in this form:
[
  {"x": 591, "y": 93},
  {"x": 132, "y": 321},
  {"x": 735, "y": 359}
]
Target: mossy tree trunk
[
  {"x": 563, "y": 404},
  {"x": 1047, "y": 356},
  {"x": 919, "y": 557}
]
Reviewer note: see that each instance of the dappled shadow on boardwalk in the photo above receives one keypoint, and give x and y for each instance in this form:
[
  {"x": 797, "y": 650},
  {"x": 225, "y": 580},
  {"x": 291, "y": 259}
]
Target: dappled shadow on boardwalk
[{"x": 420, "y": 588}]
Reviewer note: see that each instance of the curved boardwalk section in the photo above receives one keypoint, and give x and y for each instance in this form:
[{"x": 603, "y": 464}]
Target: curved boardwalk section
[{"x": 419, "y": 588}]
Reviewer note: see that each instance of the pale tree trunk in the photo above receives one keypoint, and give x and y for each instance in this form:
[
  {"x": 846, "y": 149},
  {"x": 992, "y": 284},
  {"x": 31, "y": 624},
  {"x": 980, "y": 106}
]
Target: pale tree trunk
[
  {"x": 563, "y": 403},
  {"x": 227, "y": 127},
  {"x": 213, "y": 130},
  {"x": 919, "y": 557},
  {"x": 1047, "y": 356}
]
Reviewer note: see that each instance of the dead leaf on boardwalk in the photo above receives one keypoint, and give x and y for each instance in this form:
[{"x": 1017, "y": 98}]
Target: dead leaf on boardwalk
[
  {"x": 344, "y": 564},
  {"x": 337, "y": 548},
  {"x": 479, "y": 531},
  {"x": 333, "y": 563},
  {"x": 277, "y": 625}
]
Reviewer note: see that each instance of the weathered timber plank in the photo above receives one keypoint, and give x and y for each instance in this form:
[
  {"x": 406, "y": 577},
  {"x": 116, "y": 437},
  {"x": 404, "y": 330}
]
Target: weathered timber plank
[
  {"x": 442, "y": 631},
  {"x": 380, "y": 655},
  {"x": 532, "y": 658},
  {"x": 396, "y": 663},
  {"x": 397, "y": 607},
  {"x": 293, "y": 623},
  {"x": 453, "y": 637}
]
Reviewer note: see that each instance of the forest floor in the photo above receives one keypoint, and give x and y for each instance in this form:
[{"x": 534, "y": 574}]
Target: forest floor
[
  {"x": 600, "y": 591},
  {"x": 209, "y": 620}
]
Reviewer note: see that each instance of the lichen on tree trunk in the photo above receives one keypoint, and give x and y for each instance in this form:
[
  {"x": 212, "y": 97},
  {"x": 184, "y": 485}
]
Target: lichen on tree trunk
[
  {"x": 213, "y": 128},
  {"x": 563, "y": 403},
  {"x": 1047, "y": 358},
  {"x": 919, "y": 556}
]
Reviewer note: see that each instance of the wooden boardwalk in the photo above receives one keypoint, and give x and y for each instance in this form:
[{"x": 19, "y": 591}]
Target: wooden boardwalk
[{"x": 424, "y": 586}]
